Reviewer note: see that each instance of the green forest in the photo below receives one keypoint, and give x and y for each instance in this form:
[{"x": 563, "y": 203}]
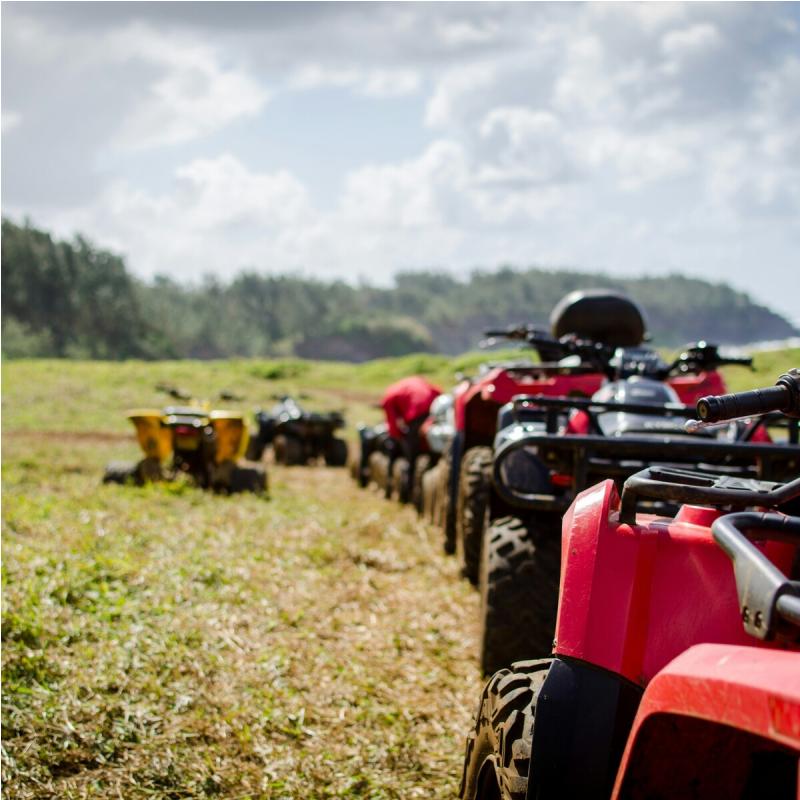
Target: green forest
[{"x": 71, "y": 299}]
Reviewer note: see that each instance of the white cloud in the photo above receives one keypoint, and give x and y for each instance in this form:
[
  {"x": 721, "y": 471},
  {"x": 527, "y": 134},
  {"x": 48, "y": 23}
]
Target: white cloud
[
  {"x": 380, "y": 83},
  {"x": 215, "y": 216},
  {"x": 194, "y": 95},
  {"x": 391, "y": 83},
  {"x": 634, "y": 160},
  {"x": 689, "y": 41},
  {"x": 455, "y": 89},
  {"x": 523, "y": 146},
  {"x": 318, "y": 76},
  {"x": 419, "y": 193},
  {"x": 464, "y": 32},
  {"x": 10, "y": 120}
]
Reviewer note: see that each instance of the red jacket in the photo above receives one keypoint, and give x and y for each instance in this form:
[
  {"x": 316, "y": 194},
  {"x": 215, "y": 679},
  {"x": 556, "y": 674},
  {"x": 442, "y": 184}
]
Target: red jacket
[{"x": 406, "y": 400}]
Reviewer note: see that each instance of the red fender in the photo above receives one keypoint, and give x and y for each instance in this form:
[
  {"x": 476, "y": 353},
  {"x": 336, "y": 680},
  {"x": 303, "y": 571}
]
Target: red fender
[
  {"x": 500, "y": 384},
  {"x": 633, "y": 597},
  {"x": 745, "y": 689},
  {"x": 690, "y": 388}
]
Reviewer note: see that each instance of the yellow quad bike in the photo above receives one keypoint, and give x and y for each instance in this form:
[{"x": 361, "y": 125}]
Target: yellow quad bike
[{"x": 205, "y": 444}]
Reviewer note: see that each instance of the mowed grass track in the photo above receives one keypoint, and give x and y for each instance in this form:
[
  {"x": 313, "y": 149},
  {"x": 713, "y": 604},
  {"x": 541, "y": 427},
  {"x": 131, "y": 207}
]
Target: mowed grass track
[{"x": 165, "y": 642}]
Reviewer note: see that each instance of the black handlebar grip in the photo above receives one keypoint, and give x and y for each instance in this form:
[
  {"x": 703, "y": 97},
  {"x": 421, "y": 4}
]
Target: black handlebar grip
[{"x": 717, "y": 408}]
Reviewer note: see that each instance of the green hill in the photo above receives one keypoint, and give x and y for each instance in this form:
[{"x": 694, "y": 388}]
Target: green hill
[{"x": 73, "y": 300}]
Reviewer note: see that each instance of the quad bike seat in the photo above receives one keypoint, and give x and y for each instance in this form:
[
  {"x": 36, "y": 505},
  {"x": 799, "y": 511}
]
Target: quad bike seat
[{"x": 599, "y": 315}]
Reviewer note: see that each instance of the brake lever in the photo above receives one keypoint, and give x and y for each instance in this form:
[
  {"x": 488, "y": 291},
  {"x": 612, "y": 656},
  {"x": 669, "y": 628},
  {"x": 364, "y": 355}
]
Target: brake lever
[{"x": 696, "y": 425}]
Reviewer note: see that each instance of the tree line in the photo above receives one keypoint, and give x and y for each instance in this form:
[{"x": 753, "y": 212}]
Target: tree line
[{"x": 70, "y": 299}]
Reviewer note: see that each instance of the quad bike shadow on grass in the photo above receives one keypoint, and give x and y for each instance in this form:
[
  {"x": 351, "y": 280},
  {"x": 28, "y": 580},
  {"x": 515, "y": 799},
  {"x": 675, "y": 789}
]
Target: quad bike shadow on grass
[
  {"x": 194, "y": 440},
  {"x": 676, "y": 661}
]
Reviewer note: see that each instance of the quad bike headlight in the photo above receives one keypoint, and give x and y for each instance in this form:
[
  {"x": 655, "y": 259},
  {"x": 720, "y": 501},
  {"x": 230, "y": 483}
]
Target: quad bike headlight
[{"x": 523, "y": 472}]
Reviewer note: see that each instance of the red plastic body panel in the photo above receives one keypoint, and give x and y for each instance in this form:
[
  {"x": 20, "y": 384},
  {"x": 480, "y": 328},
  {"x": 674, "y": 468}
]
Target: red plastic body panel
[
  {"x": 633, "y": 597},
  {"x": 477, "y": 404},
  {"x": 746, "y": 688},
  {"x": 690, "y": 388}
]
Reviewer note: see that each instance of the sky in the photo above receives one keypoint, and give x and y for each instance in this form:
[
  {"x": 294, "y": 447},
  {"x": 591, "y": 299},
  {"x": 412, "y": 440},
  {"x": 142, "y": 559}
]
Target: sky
[{"x": 357, "y": 140}]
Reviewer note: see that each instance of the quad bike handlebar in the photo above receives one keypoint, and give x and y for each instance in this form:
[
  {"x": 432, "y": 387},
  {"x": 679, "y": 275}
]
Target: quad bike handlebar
[
  {"x": 783, "y": 397},
  {"x": 548, "y": 348},
  {"x": 705, "y": 356},
  {"x": 617, "y": 363},
  {"x": 231, "y": 397},
  {"x": 551, "y": 349},
  {"x": 173, "y": 391}
]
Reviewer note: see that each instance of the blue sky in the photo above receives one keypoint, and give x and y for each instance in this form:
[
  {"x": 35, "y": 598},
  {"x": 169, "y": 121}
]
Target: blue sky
[{"x": 356, "y": 140}]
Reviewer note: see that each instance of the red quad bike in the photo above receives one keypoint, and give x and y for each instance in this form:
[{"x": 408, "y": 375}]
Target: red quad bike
[
  {"x": 587, "y": 327},
  {"x": 570, "y": 367},
  {"x": 547, "y": 450},
  {"x": 676, "y": 665}
]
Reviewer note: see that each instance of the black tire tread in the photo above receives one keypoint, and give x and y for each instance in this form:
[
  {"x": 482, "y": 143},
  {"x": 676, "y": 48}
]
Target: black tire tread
[
  {"x": 288, "y": 450},
  {"x": 378, "y": 470},
  {"x": 421, "y": 468},
  {"x": 520, "y": 570},
  {"x": 399, "y": 480},
  {"x": 501, "y": 740},
  {"x": 248, "y": 477},
  {"x": 430, "y": 500},
  {"x": 336, "y": 452},
  {"x": 447, "y": 511},
  {"x": 473, "y": 498}
]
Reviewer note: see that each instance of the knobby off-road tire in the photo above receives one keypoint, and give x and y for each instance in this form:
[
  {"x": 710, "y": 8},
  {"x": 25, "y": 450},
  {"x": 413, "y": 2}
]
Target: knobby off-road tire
[
  {"x": 288, "y": 450},
  {"x": 498, "y": 757},
  {"x": 430, "y": 499},
  {"x": 336, "y": 453},
  {"x": 473, "y": 499},
  {"x": 248, "y": 477},
  {"x": 520, "y": 569},
  {"x": 447, "y": 509},
  {"x": 421, "y": 468},
  {"x": 378, "y": 470},
  {"x": 354, "y": 468},
  {"x": 255, "y": 449},
  {"x": 399, "y": 480}
]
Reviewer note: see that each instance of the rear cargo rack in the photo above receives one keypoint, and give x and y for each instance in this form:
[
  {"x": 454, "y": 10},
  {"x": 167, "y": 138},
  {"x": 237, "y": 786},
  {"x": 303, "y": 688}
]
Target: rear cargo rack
[
  {"x": 769, "y": 601},
  {"x": 546, "y": 368},
  {"x": 720, "y": 491}
]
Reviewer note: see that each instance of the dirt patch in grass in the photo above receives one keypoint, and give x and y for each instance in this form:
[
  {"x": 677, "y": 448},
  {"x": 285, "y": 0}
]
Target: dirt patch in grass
[{"x": 172, "y": 644}]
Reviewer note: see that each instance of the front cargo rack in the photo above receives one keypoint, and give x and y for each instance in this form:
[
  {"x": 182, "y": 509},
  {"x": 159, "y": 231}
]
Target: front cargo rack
[{"x": 589, "y": 458}]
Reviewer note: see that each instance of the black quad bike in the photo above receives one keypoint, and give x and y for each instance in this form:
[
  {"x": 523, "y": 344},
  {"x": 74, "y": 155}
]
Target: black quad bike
[{"x": 298, "y": 436}]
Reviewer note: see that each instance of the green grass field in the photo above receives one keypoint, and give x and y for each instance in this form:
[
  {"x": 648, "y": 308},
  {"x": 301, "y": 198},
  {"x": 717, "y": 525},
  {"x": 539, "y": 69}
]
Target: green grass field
[{"x": 169, "y": 643}]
